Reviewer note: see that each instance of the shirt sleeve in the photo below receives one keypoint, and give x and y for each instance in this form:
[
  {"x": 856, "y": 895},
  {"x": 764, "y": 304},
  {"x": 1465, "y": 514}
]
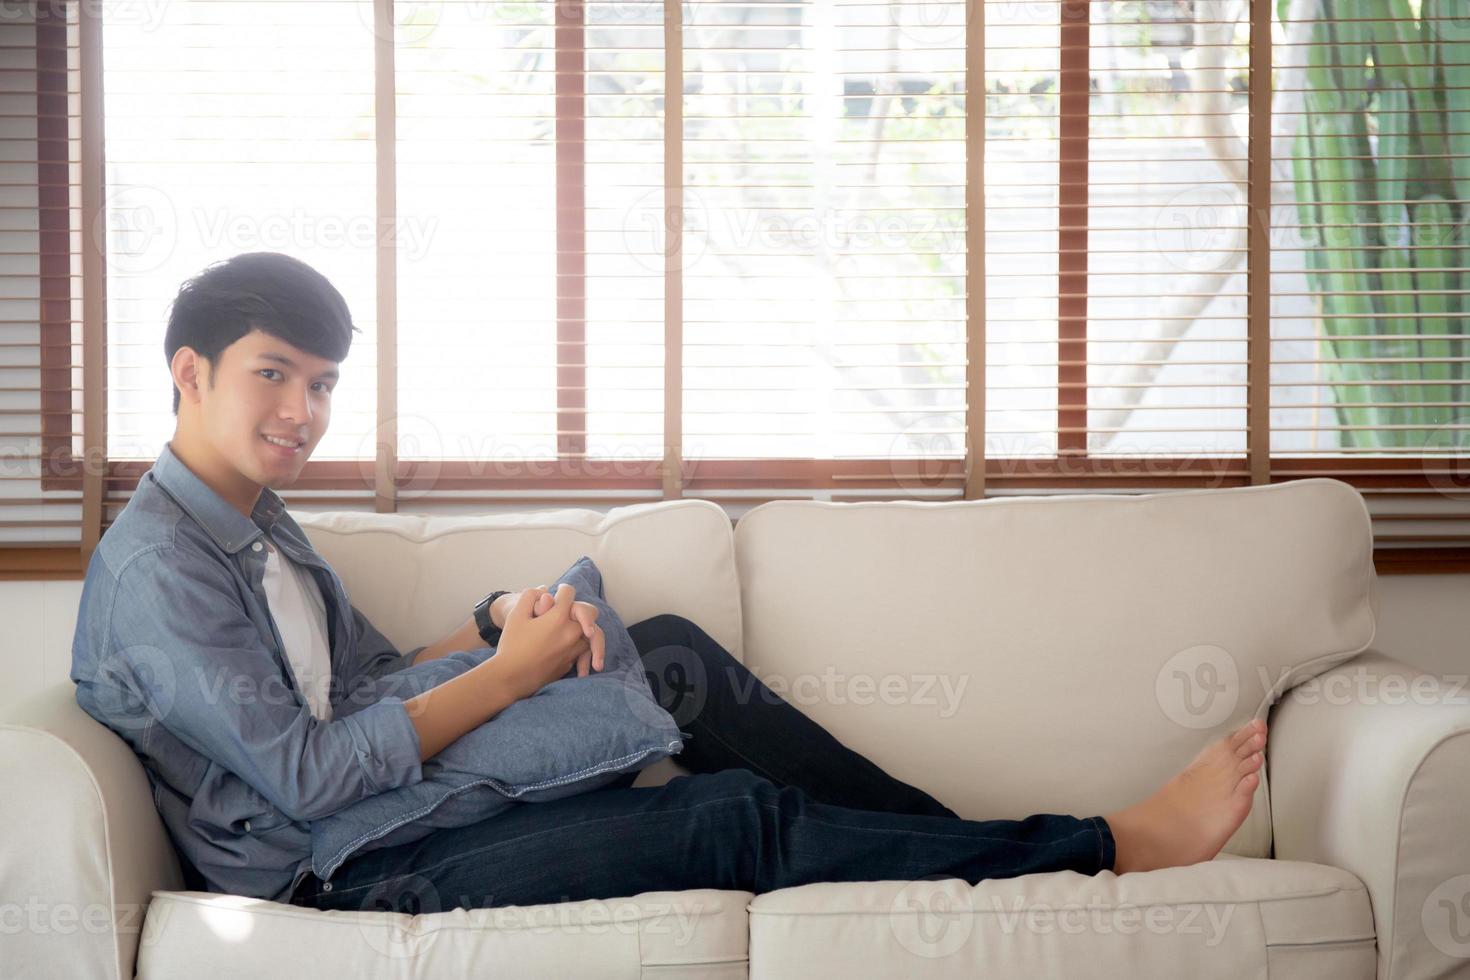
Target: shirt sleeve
[{"x": 181, "y": 637}]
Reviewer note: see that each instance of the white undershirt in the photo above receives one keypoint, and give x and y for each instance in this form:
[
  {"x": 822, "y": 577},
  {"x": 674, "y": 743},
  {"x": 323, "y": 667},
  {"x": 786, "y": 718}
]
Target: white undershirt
[{"x": 301, "y": 617}]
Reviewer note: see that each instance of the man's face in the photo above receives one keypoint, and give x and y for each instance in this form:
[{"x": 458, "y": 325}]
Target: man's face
[{"x": 263, "y": 386}]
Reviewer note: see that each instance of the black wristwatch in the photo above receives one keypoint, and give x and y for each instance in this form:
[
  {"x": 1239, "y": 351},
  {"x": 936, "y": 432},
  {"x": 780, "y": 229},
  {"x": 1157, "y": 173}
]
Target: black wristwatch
[{"x": 489, "y": 632}]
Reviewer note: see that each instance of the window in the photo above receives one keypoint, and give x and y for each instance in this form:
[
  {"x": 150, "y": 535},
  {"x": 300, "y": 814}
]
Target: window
[
  {"x": 228, "y": 131},
  {"x": 820, "y": 272}
]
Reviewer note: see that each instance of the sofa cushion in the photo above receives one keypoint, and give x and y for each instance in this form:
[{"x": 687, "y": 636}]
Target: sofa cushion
[
  {"x": 417, "y": 577},
  {"x": 1054, "y": 654},
  {"x": 1228, "y": 918},
  {"x": 699, "y": 934}
]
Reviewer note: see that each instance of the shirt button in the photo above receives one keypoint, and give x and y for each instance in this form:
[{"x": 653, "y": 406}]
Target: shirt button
[
  {"x": 326, "y": 886},
  {"x": 256, "y": 546},
  {"x": 247, "y": 826}
]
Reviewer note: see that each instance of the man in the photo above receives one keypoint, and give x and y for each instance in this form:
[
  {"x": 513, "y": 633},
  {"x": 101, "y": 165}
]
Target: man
[{"x": 216, "y": 641}]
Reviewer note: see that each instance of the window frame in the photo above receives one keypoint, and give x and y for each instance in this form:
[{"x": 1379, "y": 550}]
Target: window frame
[{"x": 602, "y": 481}]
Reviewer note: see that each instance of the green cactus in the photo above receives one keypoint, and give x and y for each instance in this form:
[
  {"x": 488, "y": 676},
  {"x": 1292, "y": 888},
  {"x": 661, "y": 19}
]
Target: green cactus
[{"x": 1385, "y": 218}]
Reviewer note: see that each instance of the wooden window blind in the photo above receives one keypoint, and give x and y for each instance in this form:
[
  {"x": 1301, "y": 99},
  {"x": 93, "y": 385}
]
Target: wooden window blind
[
  {"x": 924, "y": 249},
  {"x": 52, "y": 349}
]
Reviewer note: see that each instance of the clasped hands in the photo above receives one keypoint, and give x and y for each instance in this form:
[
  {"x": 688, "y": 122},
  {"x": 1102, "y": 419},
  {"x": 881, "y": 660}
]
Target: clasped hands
[{"x": 583, "y": 613}]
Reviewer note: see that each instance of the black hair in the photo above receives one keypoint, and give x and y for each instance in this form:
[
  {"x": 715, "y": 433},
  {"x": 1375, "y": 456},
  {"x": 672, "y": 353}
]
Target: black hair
[{"x": 275, "y": 293}]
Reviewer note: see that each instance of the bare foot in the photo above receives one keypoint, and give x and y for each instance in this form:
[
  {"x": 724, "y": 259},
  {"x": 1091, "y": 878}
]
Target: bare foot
[{"x": 1195, "y": 813}]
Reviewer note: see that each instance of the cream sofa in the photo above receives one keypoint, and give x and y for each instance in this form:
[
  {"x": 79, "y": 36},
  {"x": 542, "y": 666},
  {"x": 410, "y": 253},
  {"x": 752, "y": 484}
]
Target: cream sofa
[{"x": 1009, "y": 656}]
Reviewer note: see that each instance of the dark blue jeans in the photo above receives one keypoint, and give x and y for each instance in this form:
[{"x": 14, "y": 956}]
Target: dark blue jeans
[{"x": 774, "y": 801}]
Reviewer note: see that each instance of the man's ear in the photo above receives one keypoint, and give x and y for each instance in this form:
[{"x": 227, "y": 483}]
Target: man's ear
[{"x": 185, "y": 368}]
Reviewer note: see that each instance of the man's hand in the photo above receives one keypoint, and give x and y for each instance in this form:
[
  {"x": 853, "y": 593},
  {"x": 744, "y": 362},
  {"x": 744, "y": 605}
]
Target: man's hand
[
  {"x": 538, "y": 650},
  {"x": 467, "y": 635},
  {"x": 586, "y": 614}
]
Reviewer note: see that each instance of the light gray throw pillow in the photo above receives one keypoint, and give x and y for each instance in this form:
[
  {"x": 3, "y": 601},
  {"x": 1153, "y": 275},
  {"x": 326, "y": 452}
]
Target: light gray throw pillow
[{"x": 574, "y": 735}]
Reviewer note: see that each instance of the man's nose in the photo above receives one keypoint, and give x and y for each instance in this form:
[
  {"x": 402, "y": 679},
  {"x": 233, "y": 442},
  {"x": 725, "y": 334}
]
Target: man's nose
[{"x": 297, "y": 407}]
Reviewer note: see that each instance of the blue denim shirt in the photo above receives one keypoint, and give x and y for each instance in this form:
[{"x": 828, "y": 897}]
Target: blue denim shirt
[{"x": 176, "y": 651}]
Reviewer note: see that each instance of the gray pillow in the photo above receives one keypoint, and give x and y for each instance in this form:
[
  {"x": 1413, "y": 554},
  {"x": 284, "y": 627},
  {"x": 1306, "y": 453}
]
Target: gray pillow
[{"x": 574, "y": 735}]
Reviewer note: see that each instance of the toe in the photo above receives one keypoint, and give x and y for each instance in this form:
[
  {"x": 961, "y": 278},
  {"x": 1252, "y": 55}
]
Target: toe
[
  {"x": 1247, "y": 784},
  {"x": 1249, "y": 764},
  {"x": 1243, "y": 734},
  {"x": 1255, "y": 743}
]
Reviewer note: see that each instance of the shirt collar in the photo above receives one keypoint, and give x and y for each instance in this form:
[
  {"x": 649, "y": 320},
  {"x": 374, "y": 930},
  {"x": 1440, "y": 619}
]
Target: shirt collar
[{"x": 229, "y": 528}]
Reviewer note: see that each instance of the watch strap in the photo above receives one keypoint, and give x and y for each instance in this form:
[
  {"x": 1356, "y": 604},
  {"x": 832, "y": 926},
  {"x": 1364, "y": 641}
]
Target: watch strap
[{"x": 489, "y": 632}]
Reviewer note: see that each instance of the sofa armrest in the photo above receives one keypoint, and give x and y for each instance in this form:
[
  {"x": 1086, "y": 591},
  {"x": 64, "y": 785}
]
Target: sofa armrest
[
  {"x": 82, "y": 847},
  {"x": 1369, "y": 764}
]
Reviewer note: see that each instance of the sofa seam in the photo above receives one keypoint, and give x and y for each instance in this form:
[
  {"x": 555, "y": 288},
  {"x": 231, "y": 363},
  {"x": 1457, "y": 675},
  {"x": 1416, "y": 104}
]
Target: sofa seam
[
  {"x": 1326, "y": 942},
  {"x": 625, "y": 519},
  {"x": 1319, "y": 893},
  {"x": 1054, "y": 500},
  {"x": 336, "y": 915}
]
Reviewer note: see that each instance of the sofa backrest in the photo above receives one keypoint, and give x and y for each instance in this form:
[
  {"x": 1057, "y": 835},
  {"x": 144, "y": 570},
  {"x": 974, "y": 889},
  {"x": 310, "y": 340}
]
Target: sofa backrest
[
  {"x": 1054, "y": 654},
  {"x": 417, "y": 577}
]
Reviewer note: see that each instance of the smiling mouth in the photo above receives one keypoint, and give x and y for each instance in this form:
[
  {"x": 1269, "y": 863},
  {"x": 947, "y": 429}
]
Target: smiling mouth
[{"x": 288, "y": 450}]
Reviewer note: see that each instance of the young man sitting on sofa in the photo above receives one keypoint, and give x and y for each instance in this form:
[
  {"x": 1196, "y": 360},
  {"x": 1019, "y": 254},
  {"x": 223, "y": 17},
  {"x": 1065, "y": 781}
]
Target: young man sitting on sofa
[{"x": 204, "y": 577}]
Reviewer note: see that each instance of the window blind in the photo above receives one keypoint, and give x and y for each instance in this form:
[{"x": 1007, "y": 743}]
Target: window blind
[
  {"x": 1175, "y": 243},
  {"x": 477, "y": 163},
  {"x": 237, "y": 127},
  {"x": 1371, "y": 311},
  {"x": 1023, "y": 336},
  {"x": 50, "y": 485},
  {"x": 1165, "y": 187},
  {"x": 823, "y": 273},
  {"x": 530, "y": 161}
]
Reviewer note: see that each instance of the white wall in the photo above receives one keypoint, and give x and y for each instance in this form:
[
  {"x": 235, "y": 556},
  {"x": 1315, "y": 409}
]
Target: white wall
[{"x": 1425, "y": 620}]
